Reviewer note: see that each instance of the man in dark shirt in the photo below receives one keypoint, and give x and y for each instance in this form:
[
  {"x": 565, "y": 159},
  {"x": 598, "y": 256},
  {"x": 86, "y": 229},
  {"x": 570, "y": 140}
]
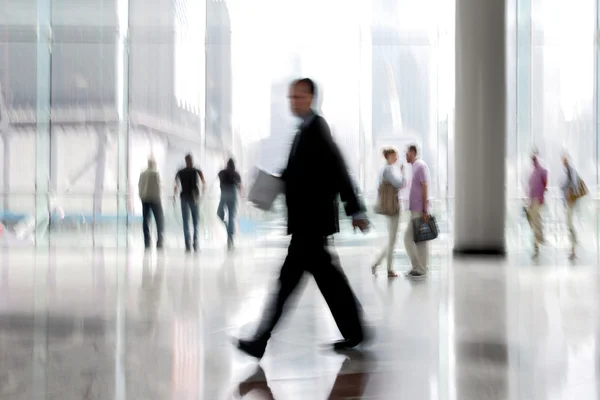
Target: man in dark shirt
[{"x": 186, "y": 183}]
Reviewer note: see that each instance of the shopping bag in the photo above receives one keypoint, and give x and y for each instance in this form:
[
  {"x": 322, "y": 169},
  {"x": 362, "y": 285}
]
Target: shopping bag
[{"x": 425, "y": 230}]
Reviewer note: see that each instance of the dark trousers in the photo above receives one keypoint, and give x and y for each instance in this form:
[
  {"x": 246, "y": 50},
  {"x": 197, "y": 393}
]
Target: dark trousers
[
  {"x": 311, "y": 255},
  {"x": 157, "y": 211}
]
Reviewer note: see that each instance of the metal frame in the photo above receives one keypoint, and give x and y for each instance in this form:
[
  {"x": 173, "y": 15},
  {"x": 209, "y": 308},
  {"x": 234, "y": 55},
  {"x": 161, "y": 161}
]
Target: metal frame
[
  {"x": 523, "y": 81},
  {"x": 597, "y": 87},
  {"x": 43, "y": 107}
]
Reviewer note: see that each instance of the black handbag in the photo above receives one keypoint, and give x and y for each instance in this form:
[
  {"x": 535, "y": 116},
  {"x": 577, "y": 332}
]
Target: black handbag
[{"x": 425, "y": 230}]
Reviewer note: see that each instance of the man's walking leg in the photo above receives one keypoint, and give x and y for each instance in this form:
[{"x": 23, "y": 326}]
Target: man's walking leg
[
  {"x": 231, "y": 218},
  {"x": 289, "y": 277},
  {"x": 194, "y": 208},
  {"x": 410, "y": 245},
  {"x": 536, "y": 224},
  {"x": 185, "y": 215},
  {"x": 342, "y": 302},
  {"x": 146, "y": 223},
  {"x": 159, "y": 217},
  {"x": 221, "y": 209},
  {"x": 423, "y": 254}
]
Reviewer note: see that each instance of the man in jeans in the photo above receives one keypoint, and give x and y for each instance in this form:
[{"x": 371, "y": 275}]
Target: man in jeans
[
  {"x": 419, "y": 208},
  {"x": 149, "y": 189},
  {"x": 187, "y": 179}
]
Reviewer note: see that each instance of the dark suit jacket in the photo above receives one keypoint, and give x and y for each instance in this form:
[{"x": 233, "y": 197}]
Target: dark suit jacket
[{"x": 315, "y": 176}]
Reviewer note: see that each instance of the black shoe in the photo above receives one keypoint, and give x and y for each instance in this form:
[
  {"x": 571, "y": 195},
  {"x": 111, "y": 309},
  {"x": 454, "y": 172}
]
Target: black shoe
[
  {"x": 188, "y": 249},
  {"x": 346, "y": 344},
  {"x": 196, "y": 247},
  {"x": 254, "y": 348},
  {"x": 159, "y": 246}
]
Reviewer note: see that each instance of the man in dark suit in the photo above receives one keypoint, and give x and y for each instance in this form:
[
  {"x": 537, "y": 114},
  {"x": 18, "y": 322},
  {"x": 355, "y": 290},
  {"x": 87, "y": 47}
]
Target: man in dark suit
[{"x": 314, "y": 178}]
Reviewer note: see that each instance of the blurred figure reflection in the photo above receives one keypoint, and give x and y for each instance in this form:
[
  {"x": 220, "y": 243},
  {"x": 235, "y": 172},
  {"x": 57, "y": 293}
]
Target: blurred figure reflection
[
  {"x": 314, "y": 177},
  {"x": 573, "y": 189},
  {"x": 348, "y": 384},
  {"x": 231, "y": 183},
  {"x": 151, "y": 289},
  {"x": 538, "y": 182}
]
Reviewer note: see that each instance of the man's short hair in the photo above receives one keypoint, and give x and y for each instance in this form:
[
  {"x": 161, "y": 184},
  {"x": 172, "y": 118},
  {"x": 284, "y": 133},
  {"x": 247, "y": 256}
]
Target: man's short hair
[
  {"x": 188, "y": 157},
  {"x": 310, "y": 84},
  {"x": 413, "y": 148}
]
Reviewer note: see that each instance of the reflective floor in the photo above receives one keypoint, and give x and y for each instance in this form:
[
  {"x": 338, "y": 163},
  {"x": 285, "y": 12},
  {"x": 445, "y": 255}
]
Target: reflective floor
[{"x": 119, "y": 324}]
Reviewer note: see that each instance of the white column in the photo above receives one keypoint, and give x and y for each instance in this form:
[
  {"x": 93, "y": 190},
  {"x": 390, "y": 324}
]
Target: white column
[{"x": 480, "y": 130}]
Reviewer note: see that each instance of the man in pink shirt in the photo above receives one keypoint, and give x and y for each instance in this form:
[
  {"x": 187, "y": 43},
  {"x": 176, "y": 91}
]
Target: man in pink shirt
[
  {"x": 418, "y": 204},
  {"x": 538, "y": 182}
]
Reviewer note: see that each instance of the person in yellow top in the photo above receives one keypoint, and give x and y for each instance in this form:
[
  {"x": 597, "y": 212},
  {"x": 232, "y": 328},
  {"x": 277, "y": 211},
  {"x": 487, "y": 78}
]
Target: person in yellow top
[{"x": 150, "y": 195}]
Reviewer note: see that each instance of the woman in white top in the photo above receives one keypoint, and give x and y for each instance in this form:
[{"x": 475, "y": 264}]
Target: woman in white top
[{"x": 395, "y": 176}]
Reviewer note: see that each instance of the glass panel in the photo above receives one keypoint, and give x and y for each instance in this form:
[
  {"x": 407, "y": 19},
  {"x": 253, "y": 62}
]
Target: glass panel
[
  {"x": 166, "y": 102},
  {"x": 122, "y": 106},
  {"x": 44, "y": 110},
  {"x": 562, "y": 108},
  {"x": 85, "y": 117},
  {"x": 382, "y": 86},
  {"x": 413, "y": 91},
  {"x": 18, "y": 116}
]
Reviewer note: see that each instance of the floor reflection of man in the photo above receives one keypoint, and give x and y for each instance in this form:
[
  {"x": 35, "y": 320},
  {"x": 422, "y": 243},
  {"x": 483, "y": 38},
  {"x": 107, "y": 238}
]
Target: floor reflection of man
[
  {"x": 347, "y": 385},
  {"x": 150, "y": 291}
]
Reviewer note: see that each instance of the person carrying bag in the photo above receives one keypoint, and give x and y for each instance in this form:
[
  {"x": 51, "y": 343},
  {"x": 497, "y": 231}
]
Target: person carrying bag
[
  {"x": 573, "y": 189},
  {"x": 416, "y": 230},
  {"x": 388, "y": 204}
]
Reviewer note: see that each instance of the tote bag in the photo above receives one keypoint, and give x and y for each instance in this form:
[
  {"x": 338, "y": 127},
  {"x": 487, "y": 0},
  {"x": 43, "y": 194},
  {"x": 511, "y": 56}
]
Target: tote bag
[{"x": 387, "y": 199}]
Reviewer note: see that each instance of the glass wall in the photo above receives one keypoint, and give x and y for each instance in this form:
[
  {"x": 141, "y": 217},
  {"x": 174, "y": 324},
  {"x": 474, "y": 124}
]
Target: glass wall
[
  {"x": 90, "y": 89},
  {"x": 552, "y": 67}
]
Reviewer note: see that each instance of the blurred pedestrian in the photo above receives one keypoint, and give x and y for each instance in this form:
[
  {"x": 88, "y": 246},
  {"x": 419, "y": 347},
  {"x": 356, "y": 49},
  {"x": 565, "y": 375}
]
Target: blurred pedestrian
[
  {"x": 538, "y": 185},
  {"x": 231, "y": 184},
  {"x": 150, "y": 195},
  {"x": 187, "y": 184},
  {"x": 314, "y": 177},
  {"x": 418, "y": 204},
  {"x": 573, "y": 189},
  {"x": 388, "y": 204}
]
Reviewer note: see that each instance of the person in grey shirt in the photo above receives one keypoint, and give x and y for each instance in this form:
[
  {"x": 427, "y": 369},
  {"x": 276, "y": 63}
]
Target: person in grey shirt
[
  {"x": 149, "y": 189},
  {"x": 394, "y": 175}
]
